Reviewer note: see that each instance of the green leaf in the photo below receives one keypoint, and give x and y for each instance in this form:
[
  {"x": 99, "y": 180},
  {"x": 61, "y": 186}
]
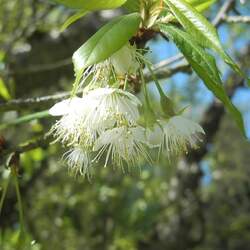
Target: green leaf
[
  {"x": 73, "y": 19},
  {"x": 109, "y": 39},
  {"x": 92, "y": 5},
  {"x": 3, "y": 90},
  {"x": 201, "y": 29},
  {"x": 203, "y": 5},
  {"x": 205, "y": 67},
  {"x": 132, "y": 5}
]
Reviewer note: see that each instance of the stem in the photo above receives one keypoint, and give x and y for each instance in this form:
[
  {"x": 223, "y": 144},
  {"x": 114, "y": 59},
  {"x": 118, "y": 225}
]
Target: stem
[
  {"x": 145, "y": 90},
  {"x": 77, "y": 82},
  {"x": 4, "y": 193},
  {"x": 157, "y": 83},
  {"x": 25, "y": 118},
  {"x": 20, "y": 209},
  {"x": 166, "y": 103},
  {"x": 125, "y": 82}
]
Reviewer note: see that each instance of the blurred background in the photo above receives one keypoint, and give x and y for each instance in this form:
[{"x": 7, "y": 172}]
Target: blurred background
[{"x": 200, "y": 201}]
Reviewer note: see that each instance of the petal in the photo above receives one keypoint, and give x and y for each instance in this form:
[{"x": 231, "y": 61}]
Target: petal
[
  {"x": 155, "y": 136},
  {"x": 65, "y": 106}
]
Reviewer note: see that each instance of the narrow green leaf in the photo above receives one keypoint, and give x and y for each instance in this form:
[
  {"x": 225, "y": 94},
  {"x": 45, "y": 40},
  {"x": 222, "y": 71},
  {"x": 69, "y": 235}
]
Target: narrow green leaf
[
  {"x": 109, "y": 39},
  {"x": 201, "y": 7},
  {"x": 92, "y": 5},
  {"x": 192, "y": 20},
  {"x": 205, "y": 67},
  {"x": 201, "y": 29},
  {"x": 73, "y": 19},
  {"x": 3, "y": 90},
  {"x": 4, "y": 192}
]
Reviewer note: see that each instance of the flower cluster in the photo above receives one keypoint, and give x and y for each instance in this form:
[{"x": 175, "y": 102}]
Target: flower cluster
[{"x": 105, "y": 125}]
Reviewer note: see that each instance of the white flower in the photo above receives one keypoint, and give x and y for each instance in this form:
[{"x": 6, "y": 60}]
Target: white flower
[
  {"x": 175, "y": 134},
  {"x": 97, "y": 75},
  {"x": 122, "y": 63},
  {"x": 113, "y": 106},
  {"x": 121, "y": 145},
  {"x": 154, "y": 136},
  {"x": 124, "y": 60},
  {"x": 69, "y": 128},
  {"x": 66, "y": 106},
  {"x": 83, "y": 119},
  {"x": 78, "y": 161}
]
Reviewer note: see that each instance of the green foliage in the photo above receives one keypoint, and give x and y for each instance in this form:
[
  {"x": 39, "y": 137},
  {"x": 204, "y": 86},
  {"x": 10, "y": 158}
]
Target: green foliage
[
  {"x": 92, "y": 5},
  {"x": 204, "y": 5},
  {"x": 73, "y": 19},
  {"x": 201, "y": 5},
  {"x": 200, "y": 28},
  {"x": 4, "y": 92},
  {"x": 132, "y": 5}
]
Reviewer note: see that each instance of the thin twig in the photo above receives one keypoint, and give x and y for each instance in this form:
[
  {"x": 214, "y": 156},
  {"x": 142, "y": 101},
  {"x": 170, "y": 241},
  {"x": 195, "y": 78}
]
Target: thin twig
[
  {"x": 168, "y": 61},
  {"x": 47, "y": 101},
  {"x": 226, "y": 7},
  {"x": 236, "y": 19},
  {"x": 42, "y": 67},
  {"x": 33, "y": 103},
  {"x": 164, "y": 73}
]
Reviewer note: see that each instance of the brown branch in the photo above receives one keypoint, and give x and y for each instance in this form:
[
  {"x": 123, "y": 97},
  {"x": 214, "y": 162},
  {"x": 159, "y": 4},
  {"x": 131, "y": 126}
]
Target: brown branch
[{"x": 211, "y": 123}]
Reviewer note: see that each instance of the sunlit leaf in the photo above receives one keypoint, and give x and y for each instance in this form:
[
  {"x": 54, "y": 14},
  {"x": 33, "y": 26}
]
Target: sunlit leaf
[
  {"x": 92, "y": 4},
  {"x": 106, "y": 41},
  {"x": 73, "y": 19},
  {"x": 201, "y": 5},
  {"x": 3, "y": 90},
  {"x": 201, "y": 29}
]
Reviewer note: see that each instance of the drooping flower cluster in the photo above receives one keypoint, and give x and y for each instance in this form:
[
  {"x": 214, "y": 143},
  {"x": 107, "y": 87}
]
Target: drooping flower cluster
[
  {"x": 104, "y": 120},
  {"x": 105, "y": 125}
]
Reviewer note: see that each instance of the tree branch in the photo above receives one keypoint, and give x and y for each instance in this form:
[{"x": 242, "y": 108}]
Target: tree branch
[
  {"x": 236, "y": 19},
  {"x": 41, "y": 142},
  {"x": 226, "y": 7},
  {"x": 42, "y": 67},
  {"x": 47, "y": 101},
  {"x": 33, "y": 103}
]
